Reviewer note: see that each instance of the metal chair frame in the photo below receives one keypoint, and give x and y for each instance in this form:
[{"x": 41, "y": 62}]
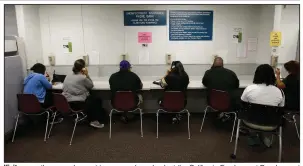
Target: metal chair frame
[
  {"x": 131, "y": 111},
  {"x": 214, "y": 110},
  {"x": 277, "y": 132},
  {"x": 76, "y": 120},
  {"x": 177, "y": 112}
]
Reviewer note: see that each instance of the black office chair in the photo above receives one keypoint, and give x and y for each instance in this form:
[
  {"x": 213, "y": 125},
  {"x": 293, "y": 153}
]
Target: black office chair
[{"x": 260, "y": 115}]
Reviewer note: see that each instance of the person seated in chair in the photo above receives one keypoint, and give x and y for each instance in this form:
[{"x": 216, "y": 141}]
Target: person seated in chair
[
  {"x": 76, "y": 89},
  {"x": 221, "y": 78},
  {"x": 176, "y": 79},
  {"x": 264, "y": 92},
  {"x": 290, "y": 85},
  {"x": 37, "y": 83},
  {"x": 126, "y": 80}
]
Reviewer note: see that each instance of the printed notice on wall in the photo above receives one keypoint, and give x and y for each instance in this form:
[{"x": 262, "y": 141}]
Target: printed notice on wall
[
  {"x": 275, "y": 39},
  {"x": 145, "y": 18},
  {"x": 144, "y": 37},
  {"x": 190, "y": 25},
  {"x": 143, "y": 56},
  {"x": 237, "y": 35},
  {"x": 67, "y": 45},
  {"x": 252, "y": 44}
]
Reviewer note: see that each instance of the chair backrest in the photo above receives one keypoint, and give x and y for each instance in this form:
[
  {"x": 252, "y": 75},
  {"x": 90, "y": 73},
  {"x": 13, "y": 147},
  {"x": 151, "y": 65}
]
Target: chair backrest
[
  {"x": 173, "y": 101},
  {"x": 219, "y": 100},
  {"x": 124, "y": 101},
  {"x": 261, "y": 114},
  {"x": 61, "y": 103},
  {"x": 28, "y": 103}
]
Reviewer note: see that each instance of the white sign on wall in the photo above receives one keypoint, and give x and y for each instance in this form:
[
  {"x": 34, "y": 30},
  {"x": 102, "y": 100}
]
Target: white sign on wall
[
  {"x": 67, "y": 45},
  {"x": 236, "y": 34}
]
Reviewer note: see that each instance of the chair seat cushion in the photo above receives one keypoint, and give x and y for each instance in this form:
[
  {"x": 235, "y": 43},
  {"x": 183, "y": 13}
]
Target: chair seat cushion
[{"x": 259, "y": 127}]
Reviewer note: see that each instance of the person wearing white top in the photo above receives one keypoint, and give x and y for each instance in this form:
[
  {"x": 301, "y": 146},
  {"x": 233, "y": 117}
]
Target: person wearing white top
[{"x": 263, "y": 92}]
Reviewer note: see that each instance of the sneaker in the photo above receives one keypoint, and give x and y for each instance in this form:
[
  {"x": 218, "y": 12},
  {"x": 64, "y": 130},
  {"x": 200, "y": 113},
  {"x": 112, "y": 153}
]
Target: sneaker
[
  {"x": 267, "y": 142},
  {"x": 174, "y": 120},
  {"x": 226, "y": 118},
  {"x": 221, "y": 115},
  {"x": 81, "y": 118},
  {"x": 124, "y": 119},
  {"x": 253, "y": 141},
  {"x": 96, "y": 124},
  {"x": 57, "y": 120}
]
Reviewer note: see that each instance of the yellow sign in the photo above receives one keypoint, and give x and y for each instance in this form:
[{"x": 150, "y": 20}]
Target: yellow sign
[{"x": 275, "y": 39}]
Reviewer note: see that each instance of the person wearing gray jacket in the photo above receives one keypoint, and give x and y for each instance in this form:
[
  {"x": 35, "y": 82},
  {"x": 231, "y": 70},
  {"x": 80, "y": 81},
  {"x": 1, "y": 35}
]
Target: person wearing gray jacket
[{"x": 76, "y": 89}]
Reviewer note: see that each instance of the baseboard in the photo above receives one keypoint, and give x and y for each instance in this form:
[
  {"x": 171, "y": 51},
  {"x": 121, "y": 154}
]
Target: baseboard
[{"x": 8, "y": 136}]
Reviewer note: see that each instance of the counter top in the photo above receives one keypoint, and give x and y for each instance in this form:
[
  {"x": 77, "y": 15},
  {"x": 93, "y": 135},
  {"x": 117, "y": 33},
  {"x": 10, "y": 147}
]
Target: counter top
[{"x": 101, "y": 83}]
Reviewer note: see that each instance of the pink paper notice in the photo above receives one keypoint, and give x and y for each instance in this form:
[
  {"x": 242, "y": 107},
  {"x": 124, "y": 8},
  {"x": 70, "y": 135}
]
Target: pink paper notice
[{"x": 144, "y": 37}]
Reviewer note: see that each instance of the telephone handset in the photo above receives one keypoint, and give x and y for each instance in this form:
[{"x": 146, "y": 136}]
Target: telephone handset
[
  {"x": 86, "y": 60},
  {"x": 173, "y": 64}
]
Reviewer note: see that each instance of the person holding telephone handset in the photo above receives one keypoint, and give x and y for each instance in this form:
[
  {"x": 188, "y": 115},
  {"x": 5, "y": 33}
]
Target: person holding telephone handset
[
  {"x": 76, "y": 89},
  {"x": 176, "y": 79}
]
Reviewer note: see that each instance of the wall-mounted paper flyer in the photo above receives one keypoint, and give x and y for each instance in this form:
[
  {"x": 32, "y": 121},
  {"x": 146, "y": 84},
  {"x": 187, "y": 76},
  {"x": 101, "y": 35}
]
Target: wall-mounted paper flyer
[
  {"x": 67, "y": 45},
  {"x": 237, "y": 35},
  {"x": 252, "y": 44},
  {"x": 144, "y": 37},
  {"x": 143, "y": 56}
]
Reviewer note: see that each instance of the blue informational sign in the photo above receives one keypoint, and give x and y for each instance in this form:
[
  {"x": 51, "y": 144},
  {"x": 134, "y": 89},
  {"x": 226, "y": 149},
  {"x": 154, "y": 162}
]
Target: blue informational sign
[
  {"x": 145, "y": 18},
  {"x": 190, "y": 25}
]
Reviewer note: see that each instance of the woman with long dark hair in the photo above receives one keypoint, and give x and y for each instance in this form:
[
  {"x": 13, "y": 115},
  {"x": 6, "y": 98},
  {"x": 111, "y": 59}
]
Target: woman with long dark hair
[{"x": 176, "y": 79}]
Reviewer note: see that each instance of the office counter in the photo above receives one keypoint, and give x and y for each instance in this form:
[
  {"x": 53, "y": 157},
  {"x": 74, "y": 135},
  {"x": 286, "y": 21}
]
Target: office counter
[
  {"x": 101, "y": 83},
  {"x": 196, "y": 93}
]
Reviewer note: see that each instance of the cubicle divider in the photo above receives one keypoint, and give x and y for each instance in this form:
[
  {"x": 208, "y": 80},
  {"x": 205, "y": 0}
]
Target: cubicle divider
[{"x": 13, "y": 81}]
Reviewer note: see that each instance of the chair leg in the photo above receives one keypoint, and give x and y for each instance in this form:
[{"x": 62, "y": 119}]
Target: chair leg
[
  {"x": 50, "y": 130},
  {"x": 205, "y": 111},
  {"x": 76, "y": 121},
  {"x": 280, "y": 144},
  {"x": 232, "y": 133},
  {"x": 110, "y": 124},
  {"x": 272, "y": 139},
  {"x": 15, "y": 127},
  {"x": 141, "y": 122},
  {"x": 233, "y": 156},
  {"x": 157, "y": 114},
  {"x": 188, "y": 128},
  {"x": 295, "y": 122},
  {"x": 46, "y": 127}
]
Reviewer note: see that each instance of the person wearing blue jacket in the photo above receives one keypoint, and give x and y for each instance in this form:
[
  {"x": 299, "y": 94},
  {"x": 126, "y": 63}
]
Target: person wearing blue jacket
[{"x": 37, "y": 83}]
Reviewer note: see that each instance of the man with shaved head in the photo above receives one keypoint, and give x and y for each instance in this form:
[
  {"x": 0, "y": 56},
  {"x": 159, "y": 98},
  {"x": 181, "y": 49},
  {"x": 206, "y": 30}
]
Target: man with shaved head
[
  {"x": 223, "y": 79},
  {"x": 218, "y": 62},
  {"x": 220, "y": 78}
]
